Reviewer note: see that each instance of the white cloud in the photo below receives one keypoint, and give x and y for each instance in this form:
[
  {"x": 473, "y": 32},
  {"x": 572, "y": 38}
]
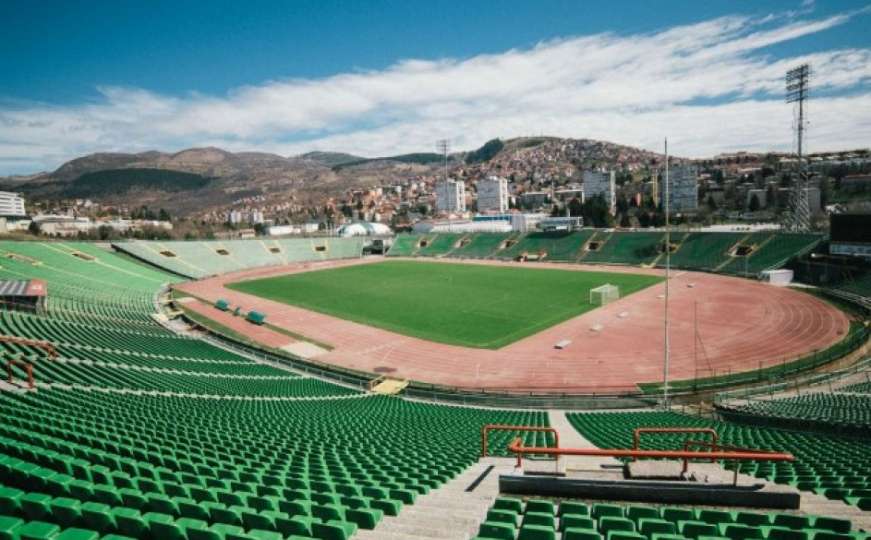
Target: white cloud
[{"x": 709, "y": 86}]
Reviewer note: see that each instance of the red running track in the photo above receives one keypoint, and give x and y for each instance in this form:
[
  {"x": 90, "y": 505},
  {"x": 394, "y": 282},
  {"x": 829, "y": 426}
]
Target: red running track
[{"x": 742, "y": 325}]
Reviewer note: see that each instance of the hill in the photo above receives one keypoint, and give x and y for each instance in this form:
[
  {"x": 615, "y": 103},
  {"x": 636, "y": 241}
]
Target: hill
[{"x": 293, "y": 186}]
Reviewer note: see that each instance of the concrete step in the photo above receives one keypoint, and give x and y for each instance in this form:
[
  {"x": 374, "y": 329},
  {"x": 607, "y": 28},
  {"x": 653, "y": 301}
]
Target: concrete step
[{"x": 451, "y": 512}]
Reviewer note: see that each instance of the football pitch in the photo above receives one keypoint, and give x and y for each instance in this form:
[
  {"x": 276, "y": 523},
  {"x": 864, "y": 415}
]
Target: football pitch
[{"x": 459, "y": 304}]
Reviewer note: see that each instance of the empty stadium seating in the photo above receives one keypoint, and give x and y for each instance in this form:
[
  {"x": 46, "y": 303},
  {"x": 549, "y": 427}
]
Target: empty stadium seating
[
  {"x": 541, "y": 519},
  {"x": 847, "y": 411},
  {"x": 708, "y": 251},
  {"x": 136, "y": 432},
  {"x": 550, "y": 246},
  {"x": 836, "y": 467},
  {"x": 634, "y": 248},
  {"x": 198, "y": 259},
  {"x": 480, "y": 245}
]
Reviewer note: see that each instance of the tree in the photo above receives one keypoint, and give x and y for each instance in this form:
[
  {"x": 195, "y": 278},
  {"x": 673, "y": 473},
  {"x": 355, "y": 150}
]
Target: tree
[
  {"x": 575, "y": 207},
  {"x": 163, "y": 215},
  {"x": 33, "y": 228},
  {"x": 754, "y": 203}
]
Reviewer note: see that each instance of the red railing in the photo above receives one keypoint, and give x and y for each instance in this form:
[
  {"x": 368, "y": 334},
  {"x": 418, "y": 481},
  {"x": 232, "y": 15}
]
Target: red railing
[
  {"x": 742, "y": 455},
  {"x": 26, "y": 366},
  {"x": 636, "y": 435},
  {"x": 503, "y": 427}
]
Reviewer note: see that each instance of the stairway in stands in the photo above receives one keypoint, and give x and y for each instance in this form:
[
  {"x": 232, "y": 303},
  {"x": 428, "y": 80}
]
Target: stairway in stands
[{"x": 451, "y": 512}]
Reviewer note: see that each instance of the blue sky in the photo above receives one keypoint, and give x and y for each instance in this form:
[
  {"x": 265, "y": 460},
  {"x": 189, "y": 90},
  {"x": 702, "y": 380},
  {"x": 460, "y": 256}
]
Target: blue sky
[{"x": 377, "y": 78}]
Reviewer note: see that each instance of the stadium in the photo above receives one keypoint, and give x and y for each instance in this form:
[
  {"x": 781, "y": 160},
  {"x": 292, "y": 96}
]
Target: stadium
[{"x": 295, "y": 388}]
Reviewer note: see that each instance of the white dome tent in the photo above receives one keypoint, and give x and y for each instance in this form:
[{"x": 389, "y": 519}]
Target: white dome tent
[{"x": 363, "y": 228}]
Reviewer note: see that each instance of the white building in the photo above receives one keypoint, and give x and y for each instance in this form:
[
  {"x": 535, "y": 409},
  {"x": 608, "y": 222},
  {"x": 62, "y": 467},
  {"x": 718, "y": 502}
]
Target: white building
[
  {"x": 11, "y": 204},
  {"x": 493, "y": 194},
  {"x": 451, "y": 196},
  {"x": 601, "y": 183},
  {"x": 683, "y": 187}
]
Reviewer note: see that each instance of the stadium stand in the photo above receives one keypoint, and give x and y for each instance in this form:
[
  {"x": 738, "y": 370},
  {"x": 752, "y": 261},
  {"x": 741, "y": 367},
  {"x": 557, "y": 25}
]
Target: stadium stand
[
  {"x": 440, "y": 245},
  {"x": 846, "y": 411},
  {"x": 481, "y": 246},
  {"x": 138, "y": 432},
  {"x": 548, "y": 246},
  {"x": 859, "y": 388},
  {"x": 707, "y": 251},
  {"x": 771, "y": 250},
  {"x": 704, "y": 251},
  {"x": 513, "y": 518},
  {"x": 636, "y": 248},
  {"x": 404, "y": 245},
  {"x": 197, "y": 259},
  {"x": 836, "y": 467}
]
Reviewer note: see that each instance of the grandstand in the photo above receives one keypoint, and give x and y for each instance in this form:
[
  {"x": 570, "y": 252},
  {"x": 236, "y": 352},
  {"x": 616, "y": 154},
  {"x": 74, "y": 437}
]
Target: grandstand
[
  {"x": 548, "y": 246},
  {"x": 198, "y": 259},
  {"x": 730, "y": 253},
  {"x": 141, "y": 429}
]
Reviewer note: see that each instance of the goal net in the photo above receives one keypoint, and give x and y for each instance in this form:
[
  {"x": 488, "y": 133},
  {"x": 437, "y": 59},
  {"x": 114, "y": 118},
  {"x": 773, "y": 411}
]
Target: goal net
[{"x": 604, "y": 294}]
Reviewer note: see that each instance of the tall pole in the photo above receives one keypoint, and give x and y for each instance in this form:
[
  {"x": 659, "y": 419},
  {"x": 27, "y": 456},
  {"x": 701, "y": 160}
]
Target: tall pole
[
  {"x": 443, "y": 146},
  {"x": 667, "y": 276}
]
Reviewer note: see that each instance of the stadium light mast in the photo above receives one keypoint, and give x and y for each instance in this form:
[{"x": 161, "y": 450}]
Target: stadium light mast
[
  {"x": 667, "y": 350},
  {"x": 443, "y": 146},
  {"x": 797, "y": 86}
]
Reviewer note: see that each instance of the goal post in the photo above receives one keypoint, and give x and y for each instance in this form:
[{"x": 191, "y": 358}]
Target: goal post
[{"x": 604, "y": 294}]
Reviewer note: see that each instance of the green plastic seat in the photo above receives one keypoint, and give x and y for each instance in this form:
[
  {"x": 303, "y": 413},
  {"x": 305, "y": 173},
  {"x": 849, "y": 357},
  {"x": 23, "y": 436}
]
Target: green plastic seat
[
  {"x": 736, "y": 531},
  {"x": 98, "y": 516},
  {"x": 536, "y": 532},
  {"x": 697, "y": 529},
  {"x": 538, "y": 518},
  {"x": 649, "y": 527},
  {"x": 508, "y": 503},
  {"x": 9, "y": 526},
  {"x": 77, "y": 534},
  {"x": 540, "y": 506},
  {"x": 574, "y": 533},
  {"x": 574, "y": 508},
  {"x": 575, "y": 521},
  {"x": 37, "y": 530},
  {"x": 334, "y": 530},
  {"x": 67, "y": 512},
  {"x": 36, "y": 506},
  {"x": 129, "y": 522},
  {"x": 497, "y": 530}
]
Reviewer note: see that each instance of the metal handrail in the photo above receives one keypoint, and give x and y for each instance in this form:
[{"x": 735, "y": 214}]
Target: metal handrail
[
  {"x": 51, "y": 352},
  {"x": 505, "y": 427}
]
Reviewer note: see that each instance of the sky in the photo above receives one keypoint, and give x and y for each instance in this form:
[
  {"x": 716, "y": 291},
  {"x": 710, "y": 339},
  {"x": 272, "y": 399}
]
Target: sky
[{"x": 382, "y": 78}]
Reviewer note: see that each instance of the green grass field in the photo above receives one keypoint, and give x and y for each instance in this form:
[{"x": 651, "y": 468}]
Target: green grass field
[{"x": 469, "y": 305}]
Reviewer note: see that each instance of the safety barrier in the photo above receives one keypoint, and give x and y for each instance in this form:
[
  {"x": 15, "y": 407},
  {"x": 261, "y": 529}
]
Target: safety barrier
[{"x": 504, "y": 427}]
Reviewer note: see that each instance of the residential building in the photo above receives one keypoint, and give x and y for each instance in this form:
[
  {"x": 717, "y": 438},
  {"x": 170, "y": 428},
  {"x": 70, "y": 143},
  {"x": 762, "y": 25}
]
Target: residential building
[
  {"x": 683, "y": 188},
  {"x": 493, "y": 194},
  {"x": 451, "y": 196},
  {"x": 601, "y": 183},
  {"x": 11, "y": 204}
]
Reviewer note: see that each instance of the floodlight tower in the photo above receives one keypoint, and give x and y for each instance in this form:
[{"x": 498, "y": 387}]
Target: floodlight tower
[
  {"x": 443, "y": 146},
  {"x": 667, "y": 348},
  {"x": 797, "y": 86}
]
